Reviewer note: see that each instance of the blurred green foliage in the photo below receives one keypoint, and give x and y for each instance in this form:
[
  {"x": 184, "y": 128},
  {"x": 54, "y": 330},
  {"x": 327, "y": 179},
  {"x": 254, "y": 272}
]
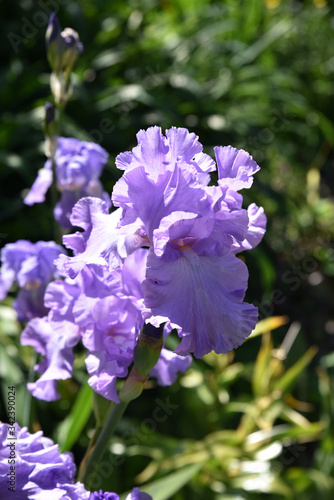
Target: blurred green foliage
[{"x": 257, "y": 75}]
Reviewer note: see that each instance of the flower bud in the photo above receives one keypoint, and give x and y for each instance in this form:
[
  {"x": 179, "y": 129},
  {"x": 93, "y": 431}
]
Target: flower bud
[
  {"x": 62, "y": 47},
  {"x": 148, "y": 348},
  {"x": 54, "y": 43},
  {"x": 73, "y": 48},
  {"x": 145, "y": 357},
  {"x": 133, "y": 386}
]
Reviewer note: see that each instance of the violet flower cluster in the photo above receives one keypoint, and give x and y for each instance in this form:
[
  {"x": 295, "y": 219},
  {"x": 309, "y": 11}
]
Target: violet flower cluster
[
  {"x": 103, "y": 309},
  {"x": 193, "y": 280},
  {"x": 79, "y": 166},
  {"x": 31, "y": 266},
  {"x": 166, "y": 255},
  {"x": 40, "y": 471}
]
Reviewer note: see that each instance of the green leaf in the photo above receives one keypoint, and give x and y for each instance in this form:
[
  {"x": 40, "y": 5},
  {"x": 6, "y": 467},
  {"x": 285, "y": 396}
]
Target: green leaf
[
  {"x": 9, "y": 326},
  {"x": 283, "y": 433},
  {"x": 70, "y": 429},
  {"x": 267, "y": 325},
  {"x": 287, "y": 380},
  {"x": 264, "y": 482},
  {"x": 261, "y": 44},
  {"x": 323, "y": 483},
  {"x": 327, "y": 127},
  {"x": 164, "y": 488},
  {"x": 9, "y": 369},
  {"x": 263, "y": 368}
]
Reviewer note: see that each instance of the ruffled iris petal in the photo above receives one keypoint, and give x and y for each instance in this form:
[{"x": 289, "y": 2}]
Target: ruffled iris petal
[
  {"x": 203, "y": 295},
  {"x": 102, "y": 242},
  {"x": 235, "y": 167},
  {"x": 41, "y": 471},
  {"x": 138, "y": 495},
  {"x": 40, "y": 186},
  {"x": 168, "y": 367},
  {"x": 255, "y": 232},
  {"x": 54, "y": 340}
]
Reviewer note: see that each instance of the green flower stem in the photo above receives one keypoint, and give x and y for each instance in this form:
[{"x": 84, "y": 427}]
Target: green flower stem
[
  {"x": 90, "y": 465},
  {"x": 27, "y": 395},
  {"x": 52, "y": 144},
  {"x": 61, "y": 111},
  {"x": 146, "y": 355},
  {"x": 57, "y": 232}
]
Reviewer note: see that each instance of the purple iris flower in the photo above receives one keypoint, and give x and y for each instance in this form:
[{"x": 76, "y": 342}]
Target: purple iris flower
[
  {"x": 193, "y": 280},
  {"x": 78, "y": 168},
  {"x": 103, "y": 309},
  {"x": 41, "y": 471},
  {"x": 100, "y": 495},
  {"x": 103, "y": 241},
  {"x": 134, "y": 495},
  {"x": 54, "y": 340},
  {"x": 138, "y": 495},
  {"x": 39, "y": 466},
  {"x": 31, "y": 266},
  {"x": 168, "y": 366},
  {"x": 54, "y": 337}
]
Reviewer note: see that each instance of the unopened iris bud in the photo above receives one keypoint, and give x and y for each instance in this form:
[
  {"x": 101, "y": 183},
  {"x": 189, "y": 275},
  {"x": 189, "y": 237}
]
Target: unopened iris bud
[
  {"x": 148, "y": 348},
  {"x": 54, "y": 43},
  {"x": 145, "y": 357},
  {"x": 133, "y": 386},
  {"x": 63, "y": 47},
  {"x": 73, "y": 48}
]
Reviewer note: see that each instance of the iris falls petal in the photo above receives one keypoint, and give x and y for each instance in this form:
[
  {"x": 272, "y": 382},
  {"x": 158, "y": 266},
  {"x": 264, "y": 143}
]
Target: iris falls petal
[{"x": 203, "y": 295}]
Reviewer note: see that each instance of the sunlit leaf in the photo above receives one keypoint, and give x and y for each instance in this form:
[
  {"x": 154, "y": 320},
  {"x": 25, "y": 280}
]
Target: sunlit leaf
[
  {"x": 267, "y": 325},
  {"x": 247, "y": 56},
  {"x": 263, "y": 368},
  {"x": 164, "y": 488},
  {"x": 289, "y": 378}
]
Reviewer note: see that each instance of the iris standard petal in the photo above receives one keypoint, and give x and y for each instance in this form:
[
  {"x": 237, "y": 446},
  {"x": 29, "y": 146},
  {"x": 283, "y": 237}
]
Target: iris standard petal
[
  {"x": 102, "y": 242},
  {"x": 40, "y": 186},
  {"x": 235, "y": 167},
  {"x": 255, "y": 232},
  {"x": 54, "y": 340}
]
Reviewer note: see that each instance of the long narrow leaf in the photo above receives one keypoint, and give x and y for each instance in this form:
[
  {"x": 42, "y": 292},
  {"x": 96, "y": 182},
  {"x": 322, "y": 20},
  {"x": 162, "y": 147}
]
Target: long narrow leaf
[
  {"x": 290, "y": 376},
  {"x": 267, "y": 325},
  {"x": 71, "y": 428},
  {"x": 164, "y": 488}
]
